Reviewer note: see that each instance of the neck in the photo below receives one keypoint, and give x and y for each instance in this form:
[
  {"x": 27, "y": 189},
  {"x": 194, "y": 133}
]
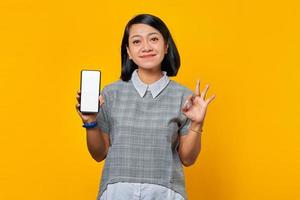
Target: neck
[{"x": 149, "y": 76}]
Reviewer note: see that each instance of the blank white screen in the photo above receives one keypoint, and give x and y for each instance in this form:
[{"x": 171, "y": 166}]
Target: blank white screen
[{"x": 90, "y": 85}]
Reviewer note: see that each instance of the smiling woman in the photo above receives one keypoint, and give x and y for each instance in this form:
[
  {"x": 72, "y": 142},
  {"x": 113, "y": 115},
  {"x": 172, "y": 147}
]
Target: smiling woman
[
  {"x": 146, "y": 47},
  {"x": 148, "y": 125},
  {"x": 147, "y": 35}
]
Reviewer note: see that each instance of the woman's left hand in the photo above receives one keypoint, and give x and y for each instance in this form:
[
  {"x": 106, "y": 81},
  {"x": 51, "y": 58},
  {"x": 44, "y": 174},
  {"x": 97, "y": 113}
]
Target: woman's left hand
[{"x": 195, "y": 106}]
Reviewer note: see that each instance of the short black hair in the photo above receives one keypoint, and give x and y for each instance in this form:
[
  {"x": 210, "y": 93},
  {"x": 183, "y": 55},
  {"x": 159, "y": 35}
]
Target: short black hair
[{"x": 171, "y": 61}]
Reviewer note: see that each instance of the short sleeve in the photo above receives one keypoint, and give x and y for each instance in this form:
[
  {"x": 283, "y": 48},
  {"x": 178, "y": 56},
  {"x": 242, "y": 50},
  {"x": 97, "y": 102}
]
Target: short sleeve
[
  {"x": 184, "y": 129},
  {"x": 184, "y": 121},
  {"x": 103, "y": 114}
]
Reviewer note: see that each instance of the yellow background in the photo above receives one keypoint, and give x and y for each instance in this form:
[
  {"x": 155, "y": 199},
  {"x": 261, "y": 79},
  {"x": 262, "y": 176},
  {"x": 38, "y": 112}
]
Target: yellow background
[{"x": 247, "y": 50}]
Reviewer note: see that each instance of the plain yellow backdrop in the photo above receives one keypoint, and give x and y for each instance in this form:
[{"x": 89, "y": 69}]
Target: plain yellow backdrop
[{"x": 247, "y": 50}]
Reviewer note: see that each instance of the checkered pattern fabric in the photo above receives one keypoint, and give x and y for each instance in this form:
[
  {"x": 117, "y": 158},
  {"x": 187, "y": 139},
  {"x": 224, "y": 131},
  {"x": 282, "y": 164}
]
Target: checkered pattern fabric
[{"x": 144, "y": 135}]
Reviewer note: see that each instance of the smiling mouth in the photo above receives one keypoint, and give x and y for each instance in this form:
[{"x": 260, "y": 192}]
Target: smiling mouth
[{"x": 148, "y": 56}]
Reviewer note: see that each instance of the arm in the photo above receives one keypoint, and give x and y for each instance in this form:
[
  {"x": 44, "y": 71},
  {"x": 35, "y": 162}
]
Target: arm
[
  {"x": 190, "y": 145},
  {"x": 97, "y": 143},
  {"x": 194, "y": 109}
]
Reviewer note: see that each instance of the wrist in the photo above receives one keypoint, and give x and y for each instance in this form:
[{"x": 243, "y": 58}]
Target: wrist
[
  {"x": 90, "y": 120},
  {"x": 89, "y": 125},
  {"x": 196, "y": 126}
]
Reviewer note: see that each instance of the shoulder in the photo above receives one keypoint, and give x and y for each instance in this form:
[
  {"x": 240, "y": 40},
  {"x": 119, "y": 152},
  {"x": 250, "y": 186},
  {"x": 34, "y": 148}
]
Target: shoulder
[
  {"x": 179, "y": 88},
  {"x": 115, "y": 86}
]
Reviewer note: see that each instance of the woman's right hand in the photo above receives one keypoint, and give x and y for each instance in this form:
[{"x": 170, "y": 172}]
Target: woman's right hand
[{"x": 87, "y": 118}]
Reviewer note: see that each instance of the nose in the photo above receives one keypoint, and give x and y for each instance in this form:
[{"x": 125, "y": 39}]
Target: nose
[{"x": 146, "y": 46}]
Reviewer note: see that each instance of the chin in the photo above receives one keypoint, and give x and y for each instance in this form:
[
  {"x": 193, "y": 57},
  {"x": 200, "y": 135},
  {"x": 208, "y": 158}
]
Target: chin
[{"x": 149, "y": 67}]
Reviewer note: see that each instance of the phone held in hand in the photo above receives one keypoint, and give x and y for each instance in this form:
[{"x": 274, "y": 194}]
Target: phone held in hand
[{"x": 90, "y": 90}]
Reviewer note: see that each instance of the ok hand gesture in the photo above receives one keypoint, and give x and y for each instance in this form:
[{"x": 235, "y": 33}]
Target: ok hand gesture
[{"x": 195, "y": 106}]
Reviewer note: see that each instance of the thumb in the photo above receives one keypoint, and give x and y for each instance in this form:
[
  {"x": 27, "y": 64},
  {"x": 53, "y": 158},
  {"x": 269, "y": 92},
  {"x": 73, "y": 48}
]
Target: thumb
[{"x": 101, "y": 100}]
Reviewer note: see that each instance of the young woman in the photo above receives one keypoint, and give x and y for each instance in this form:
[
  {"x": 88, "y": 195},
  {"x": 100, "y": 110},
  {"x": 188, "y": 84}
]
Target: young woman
[{"x": 148, "y": 125}]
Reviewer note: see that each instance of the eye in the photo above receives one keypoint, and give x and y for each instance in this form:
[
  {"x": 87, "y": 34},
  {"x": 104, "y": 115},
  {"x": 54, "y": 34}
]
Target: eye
[
  {"x": 135, "y": 41},
  {"x": 154, "y": 39}
]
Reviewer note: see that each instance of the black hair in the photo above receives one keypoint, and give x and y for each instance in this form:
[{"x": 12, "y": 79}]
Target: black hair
[{"x": 171, "y": 61}]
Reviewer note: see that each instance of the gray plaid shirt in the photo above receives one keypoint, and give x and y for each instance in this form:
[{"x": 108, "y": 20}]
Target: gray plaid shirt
[{"x": 144, "y": 134}]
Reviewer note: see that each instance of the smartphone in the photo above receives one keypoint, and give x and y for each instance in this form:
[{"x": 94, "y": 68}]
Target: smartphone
[{"x": 90, "y": 90}]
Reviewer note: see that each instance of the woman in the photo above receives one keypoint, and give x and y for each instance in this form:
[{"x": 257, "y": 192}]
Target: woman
[{"x": 148, "y": 125}]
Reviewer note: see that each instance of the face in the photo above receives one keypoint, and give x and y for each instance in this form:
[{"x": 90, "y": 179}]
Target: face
[{"x": 146, "y": 46}]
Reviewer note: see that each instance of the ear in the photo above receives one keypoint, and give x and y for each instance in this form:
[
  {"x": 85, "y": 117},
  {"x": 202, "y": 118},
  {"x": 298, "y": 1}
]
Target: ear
[
  {"x": 166, "y": 49},
  {"x": 128, "y": 52}
]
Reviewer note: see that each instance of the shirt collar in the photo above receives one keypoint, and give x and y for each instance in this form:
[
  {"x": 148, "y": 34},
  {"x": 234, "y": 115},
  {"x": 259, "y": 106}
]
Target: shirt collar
[{"x": 155, "y": 87}]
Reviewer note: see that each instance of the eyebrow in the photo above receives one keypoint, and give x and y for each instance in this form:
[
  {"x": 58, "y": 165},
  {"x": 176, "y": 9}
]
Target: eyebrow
[{"x": 147, "y": 34}]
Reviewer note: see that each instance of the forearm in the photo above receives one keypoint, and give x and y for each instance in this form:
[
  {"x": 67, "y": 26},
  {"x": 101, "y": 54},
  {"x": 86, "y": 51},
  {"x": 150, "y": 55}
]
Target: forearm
[
  {"x": 190, "y": 145},
  {"x": 96, "y": 144}
]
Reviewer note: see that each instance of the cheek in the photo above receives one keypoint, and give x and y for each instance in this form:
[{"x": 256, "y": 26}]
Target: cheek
[
  {"x": 134, "y": 52},
  {"x": 162, "y": 49},
  {"x": 162, "y": 55}
]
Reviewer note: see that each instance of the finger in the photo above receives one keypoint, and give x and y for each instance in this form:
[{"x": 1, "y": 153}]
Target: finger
[
  {"x": 203, "y": 94},
  {"x": 189, "y": 98},
  {"x": 101, "y": 100},
  {"x": 197, "y": 92},
  {"x": 77, "y": 106},
  {"x": 210, "y": 99},
  {"x": 78, "y": 95},
  {"x": 188, "y": 103}
]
